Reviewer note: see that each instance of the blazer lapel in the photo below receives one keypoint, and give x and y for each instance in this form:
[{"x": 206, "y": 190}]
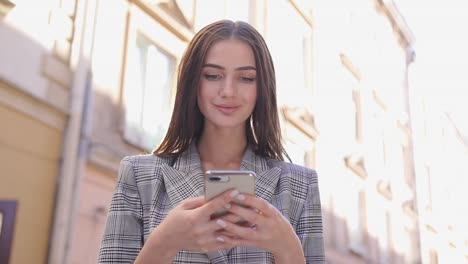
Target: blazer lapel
[
  {"x": 267, "y": 177},
  {"x": 185, "y": 179}
]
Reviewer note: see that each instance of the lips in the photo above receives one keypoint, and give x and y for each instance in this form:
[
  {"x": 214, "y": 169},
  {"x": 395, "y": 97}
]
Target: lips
[{"x": 227, "y": 109}]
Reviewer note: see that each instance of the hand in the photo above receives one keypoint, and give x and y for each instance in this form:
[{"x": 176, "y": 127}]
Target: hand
[
  {"x": 189, "y": 226},
  {"x": 267, "y": 228}
]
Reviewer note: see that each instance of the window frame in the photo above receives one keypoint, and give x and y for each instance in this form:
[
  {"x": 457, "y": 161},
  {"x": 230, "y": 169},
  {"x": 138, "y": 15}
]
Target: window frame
[
  {"x": 141, "y": 24},
  {"x": 8, "y": 211},
  {"x": 357, "y": 225}
]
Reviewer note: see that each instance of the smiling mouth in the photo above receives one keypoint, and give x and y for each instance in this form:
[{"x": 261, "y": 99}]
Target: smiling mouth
[{"x": 227, "y": 109}]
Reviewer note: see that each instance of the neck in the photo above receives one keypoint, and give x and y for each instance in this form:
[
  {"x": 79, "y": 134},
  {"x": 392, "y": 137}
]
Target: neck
[{"x": 222, "y": 149}]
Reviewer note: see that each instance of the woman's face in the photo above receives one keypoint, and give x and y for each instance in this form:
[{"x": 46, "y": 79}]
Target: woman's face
[{"x": 228, "y": 85}]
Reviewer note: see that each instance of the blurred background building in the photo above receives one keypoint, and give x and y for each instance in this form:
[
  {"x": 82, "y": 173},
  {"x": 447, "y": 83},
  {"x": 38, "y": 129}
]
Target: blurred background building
[{"x": 84, "y": 83}]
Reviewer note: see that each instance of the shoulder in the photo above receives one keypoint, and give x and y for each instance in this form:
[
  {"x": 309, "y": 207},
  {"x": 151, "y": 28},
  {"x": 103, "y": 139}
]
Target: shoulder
[
  {"x": 144, "y": 160},
  {"x": 296, "y": 172},
  {"x": 141, "y": 166}
]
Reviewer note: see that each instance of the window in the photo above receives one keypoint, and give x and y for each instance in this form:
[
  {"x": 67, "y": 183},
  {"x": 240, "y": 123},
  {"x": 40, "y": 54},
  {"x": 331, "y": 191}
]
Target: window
[
  {"x": 382, "y": 156},
  {"x": 289, "y": 38},
  {"x": 412, "y": 250},
  {"x": 7, "y": 224},
  {"x": 386, "y": 240},
  {"x": 357, "y": 223},
  {"x": 148, "y": 96},
  {"x": 384, "y": 237},
  {"x": 380, "y": 144},
  {"x": 301, "y": 134}
]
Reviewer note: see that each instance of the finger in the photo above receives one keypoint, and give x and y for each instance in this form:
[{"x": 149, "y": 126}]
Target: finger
[
  {"x": 207, "y": 232},
  {"x": 232, "y": 218},
  {"x": 253, "y": 202},
  {"x": 192, "y": 203},
  {"x": 220, "y": 202},
  {"x": 248, "y": 214},
  {"x": 208, "y": 228},
  {"x": 239, "y": 231},
  {"x": 213, "y": 226},
  {"x": 225, "y": 233},
  {"x": 239, "y": 221}
]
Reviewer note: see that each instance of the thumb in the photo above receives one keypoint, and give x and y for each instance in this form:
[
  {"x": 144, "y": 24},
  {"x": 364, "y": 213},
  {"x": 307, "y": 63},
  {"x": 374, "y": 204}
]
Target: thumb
[{"x": 192, "y": 203}]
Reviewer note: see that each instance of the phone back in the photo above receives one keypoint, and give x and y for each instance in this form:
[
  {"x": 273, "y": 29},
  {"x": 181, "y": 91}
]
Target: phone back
[{"x": 219, "y": 181}]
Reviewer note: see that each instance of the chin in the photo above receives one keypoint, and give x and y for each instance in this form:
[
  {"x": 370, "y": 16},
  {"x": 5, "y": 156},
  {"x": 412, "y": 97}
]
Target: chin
[{"x": 231, "y": 124}]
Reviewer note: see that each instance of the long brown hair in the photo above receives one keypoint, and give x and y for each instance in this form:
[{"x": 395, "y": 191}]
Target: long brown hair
[{"x": 262, "y": 128}]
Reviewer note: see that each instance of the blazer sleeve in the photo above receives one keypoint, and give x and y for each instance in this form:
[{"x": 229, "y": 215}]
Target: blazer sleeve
[
  {"x": 309, "y": 228},
  {"x": 123, "y": 235}
]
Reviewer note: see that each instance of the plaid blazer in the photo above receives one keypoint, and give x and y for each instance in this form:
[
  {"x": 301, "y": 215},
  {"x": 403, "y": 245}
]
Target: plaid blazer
[{"x": 148, "y": 187}]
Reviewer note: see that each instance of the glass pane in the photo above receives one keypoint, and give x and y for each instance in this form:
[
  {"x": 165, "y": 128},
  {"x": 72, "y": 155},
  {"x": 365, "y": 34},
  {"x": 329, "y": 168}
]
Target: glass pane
[
  {"x": 134, "y": 93},
  {"x": 287, "y": 38},
  {"x": 148, "y": 97},
  {"x": 157, "y": 96}
]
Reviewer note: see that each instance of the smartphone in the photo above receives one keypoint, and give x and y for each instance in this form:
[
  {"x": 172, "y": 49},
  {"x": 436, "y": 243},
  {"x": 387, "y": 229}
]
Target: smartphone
[{"x": 219, "y": 181}]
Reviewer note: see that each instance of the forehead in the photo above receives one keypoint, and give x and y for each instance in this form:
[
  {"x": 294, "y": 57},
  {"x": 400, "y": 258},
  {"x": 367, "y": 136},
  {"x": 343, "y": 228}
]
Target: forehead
[{"x": 230, "y": 53}]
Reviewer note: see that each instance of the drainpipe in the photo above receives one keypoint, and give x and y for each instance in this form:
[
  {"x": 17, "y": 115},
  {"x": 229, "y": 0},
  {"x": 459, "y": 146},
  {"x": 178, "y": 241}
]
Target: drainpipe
[{"x": 75, "y": 145}]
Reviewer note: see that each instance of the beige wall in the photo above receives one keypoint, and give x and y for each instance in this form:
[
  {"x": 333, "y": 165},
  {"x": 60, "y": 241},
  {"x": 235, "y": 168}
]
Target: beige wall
[
  {"x": 95, "y": 197},
  {"x": 35, "y": 81},
  {"x": 29, "y": 158}
]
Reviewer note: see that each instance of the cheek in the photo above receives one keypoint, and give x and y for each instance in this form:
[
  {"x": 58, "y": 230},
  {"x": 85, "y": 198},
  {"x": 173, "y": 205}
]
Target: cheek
[
  {"x": 252, "y": 96},
  {"x": 200, "y": 101},
  {"x": 203, "y": 99},
  {"x": 206, "y": 90}
]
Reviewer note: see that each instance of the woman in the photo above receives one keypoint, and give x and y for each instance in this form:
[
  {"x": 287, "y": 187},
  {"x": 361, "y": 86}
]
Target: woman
[{"x": 225, "y": 117}]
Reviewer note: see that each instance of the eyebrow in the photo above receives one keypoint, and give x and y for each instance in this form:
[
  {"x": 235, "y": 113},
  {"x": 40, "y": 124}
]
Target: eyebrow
[{"x": 242, "y": 68}]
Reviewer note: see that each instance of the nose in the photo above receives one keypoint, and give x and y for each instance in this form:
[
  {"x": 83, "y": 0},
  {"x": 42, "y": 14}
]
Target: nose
[{"x": 228, "y": 88}]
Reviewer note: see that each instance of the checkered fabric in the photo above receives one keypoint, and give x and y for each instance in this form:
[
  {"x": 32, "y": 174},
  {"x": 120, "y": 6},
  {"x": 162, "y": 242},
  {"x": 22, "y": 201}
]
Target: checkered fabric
[{"x": 148, "y": 187}]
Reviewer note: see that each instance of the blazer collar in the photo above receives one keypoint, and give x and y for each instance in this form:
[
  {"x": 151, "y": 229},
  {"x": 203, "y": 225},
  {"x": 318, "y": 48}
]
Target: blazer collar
[{"x": 185, "y": 179}]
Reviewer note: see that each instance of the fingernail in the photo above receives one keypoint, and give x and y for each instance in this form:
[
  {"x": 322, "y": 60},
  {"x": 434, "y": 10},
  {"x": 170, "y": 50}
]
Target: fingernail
[
  {"x": 240, "y": 197},
  {"x": 221, "y": 223},
  {"x": 220, "y": 239},
  {"x": 227, "y": 206},
  {"x": 234, "y": 193}
]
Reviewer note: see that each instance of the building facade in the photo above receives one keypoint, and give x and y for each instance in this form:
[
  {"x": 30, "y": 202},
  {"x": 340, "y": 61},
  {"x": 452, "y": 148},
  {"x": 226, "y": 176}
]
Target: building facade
[
  {"x": 36, "y": 80},
  {"x": 84, "y": 83},
  {"x": 365, "y": 143}
]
